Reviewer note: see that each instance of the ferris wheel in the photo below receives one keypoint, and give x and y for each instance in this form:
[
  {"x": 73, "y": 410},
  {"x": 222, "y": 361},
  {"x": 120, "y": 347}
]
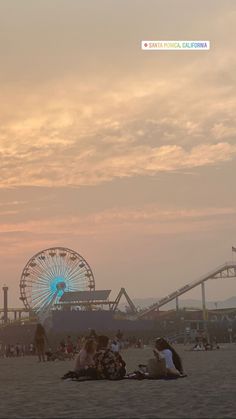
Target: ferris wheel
[{"x": 50, "y": 273}]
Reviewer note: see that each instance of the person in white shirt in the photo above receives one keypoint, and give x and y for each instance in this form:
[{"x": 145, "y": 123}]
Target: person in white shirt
[
  {"x": 173, "y": 361},
  {"x": 115, "y": 346}
]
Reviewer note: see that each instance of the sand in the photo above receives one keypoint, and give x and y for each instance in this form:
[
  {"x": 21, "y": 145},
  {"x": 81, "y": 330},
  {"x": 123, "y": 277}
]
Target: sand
[{"x": 34, "y": 390}]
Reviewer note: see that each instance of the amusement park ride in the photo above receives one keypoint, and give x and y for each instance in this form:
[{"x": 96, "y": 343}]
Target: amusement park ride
[{"x": 61, "y": 279}]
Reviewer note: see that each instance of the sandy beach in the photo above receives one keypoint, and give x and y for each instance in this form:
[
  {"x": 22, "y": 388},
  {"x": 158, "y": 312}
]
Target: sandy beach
[{"x": 34, "y": 390}]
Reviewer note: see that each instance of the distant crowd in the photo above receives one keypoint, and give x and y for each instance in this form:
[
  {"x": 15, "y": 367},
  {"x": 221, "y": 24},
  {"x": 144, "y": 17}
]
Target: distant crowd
[
  {"x": 203, "y": 344},
  {"x": 17, "y": 350},
  {"x": 67, "y": 348}
]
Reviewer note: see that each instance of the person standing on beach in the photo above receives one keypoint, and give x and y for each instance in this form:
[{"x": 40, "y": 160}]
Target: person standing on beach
[{"x": 40, "y": 339}]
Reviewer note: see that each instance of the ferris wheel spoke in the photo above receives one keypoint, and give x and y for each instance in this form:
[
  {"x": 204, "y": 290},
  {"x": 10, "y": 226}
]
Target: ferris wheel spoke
[
  {"x": 41, "y": 299},
  {"x": 76, "y": 286},
  {"x": 50, "y": 265},
  {"x": 46, "y": 272},
  {"x": 63, "y": 262},
  {"x": 77, "y": 275},
  {"x": 70, "y": 275},
  {"x": 45, "y": 267},
  {"x": 42, "y": 274},
  {"x": 63, "y": 266},
  {"x": 67, "y": 263},
  {"x": 69, "y": 270},
  {"x": 40, "y": 290},
  {"x": 38, "y": 283},
  {"x": 82, "y": 284},
  {"x": 55, "y": 269},
  {"x": 77, "y": 271},
  {"x": 58, "y": 265},
  {"x": 75, "y": 281},
  {"x": 37, "y": 304},
  {"x": 51, "y": 273},
  {"x": 73, "y": 261},
  {"x": 37, "y": 293},
  {"x": 42, "y": 279},
  {"x": 48, "y": 301}
]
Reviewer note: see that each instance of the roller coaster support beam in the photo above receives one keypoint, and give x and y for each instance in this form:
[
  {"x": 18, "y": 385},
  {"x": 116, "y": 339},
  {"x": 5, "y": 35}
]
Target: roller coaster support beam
[
  {"x": 5, "y": 304},
  {"x": 177, "y": 303},
  {"x": 204, "y": 312}
]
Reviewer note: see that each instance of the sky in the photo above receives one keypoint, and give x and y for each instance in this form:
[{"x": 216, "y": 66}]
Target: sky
[{"x": 126, "y": 156}]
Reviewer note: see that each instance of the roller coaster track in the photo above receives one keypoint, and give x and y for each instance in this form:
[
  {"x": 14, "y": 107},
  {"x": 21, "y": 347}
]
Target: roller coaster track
[{"x": 227, "y": 270}]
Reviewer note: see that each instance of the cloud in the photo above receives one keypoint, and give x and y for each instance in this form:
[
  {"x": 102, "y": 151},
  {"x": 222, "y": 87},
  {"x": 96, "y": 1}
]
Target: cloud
[
  {"x": 149, "y": 218},
  {"x": 87, "y": 137},
  {"x": 157, "y": 113}
]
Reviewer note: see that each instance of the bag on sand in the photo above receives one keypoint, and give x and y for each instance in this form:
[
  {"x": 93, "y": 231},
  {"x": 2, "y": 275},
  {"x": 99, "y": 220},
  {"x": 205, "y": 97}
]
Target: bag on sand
[{"x": 157, "y": 368}]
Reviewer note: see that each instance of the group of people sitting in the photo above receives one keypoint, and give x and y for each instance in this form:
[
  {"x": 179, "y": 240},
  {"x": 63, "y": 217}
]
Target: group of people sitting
[
  {"x": 204, "y": 345},
  {"x": 97, "y": 361}
]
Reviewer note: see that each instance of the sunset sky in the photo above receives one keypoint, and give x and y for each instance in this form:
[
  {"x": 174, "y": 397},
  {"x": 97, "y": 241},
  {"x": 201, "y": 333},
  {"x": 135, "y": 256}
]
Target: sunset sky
[{"x": 126, "y": 156}]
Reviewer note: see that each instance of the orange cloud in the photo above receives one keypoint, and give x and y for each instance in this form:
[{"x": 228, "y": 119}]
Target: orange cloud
[{"x": 107, "y": 221}]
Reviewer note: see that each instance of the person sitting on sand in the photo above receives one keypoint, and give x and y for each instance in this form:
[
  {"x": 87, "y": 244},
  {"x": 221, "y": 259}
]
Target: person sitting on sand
[
  {"x": 84, "y": 364},
  {"x": 163, "y": 350},
  {"x": 199, "y": 347},
  {"x": 85, "y": 357},
  {"x": 166, "y": 364},
  {"x": 50, "y": 355},
  {"x": 109, "y": 365},
  {"x": 40, "y": 339}
]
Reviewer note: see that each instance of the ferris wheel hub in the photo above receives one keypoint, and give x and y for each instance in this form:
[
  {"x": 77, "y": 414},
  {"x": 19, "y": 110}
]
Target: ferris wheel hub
[{"x": 61, "y": 286}]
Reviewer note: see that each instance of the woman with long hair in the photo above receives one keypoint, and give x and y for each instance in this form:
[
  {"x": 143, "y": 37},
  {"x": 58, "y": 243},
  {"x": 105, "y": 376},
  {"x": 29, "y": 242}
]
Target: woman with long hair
[
  {"x": 40, "y": 339},
  {"x": 166, "y": 364},
  {"x": 163, "y": 350},
  {"x": 86, "y": 354},
  {"x": 84, "y": 363}
]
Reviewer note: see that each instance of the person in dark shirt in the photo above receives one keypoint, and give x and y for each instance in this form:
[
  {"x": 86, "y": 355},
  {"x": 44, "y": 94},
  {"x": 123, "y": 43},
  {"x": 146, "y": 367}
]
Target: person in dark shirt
[{"x": 108, "y": 364}]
